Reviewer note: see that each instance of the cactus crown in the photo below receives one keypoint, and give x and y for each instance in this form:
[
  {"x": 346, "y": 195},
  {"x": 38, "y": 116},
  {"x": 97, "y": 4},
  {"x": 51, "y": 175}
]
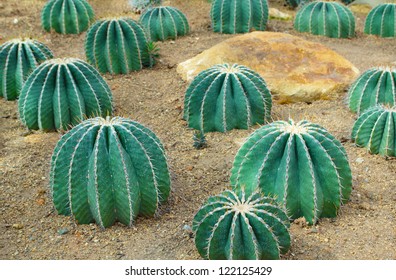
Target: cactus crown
[{"x": 381, "y": 20}]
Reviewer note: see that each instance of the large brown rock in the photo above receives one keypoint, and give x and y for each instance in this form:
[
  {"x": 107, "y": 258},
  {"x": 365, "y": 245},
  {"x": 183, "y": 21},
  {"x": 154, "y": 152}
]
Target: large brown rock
[{"x": 294, "y": 69}]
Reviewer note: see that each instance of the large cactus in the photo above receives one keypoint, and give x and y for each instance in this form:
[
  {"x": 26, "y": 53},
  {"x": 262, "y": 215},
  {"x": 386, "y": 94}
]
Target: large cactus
[
  {"x": 67, "y": 16},
  {"x": 239, "y": 16},
  {"x": 18, "y": 58},
  {"x": 381, "y": 20},
  {"x": 235, "y": 227},
  {"x": 375, "y": 86},
  {"x": 109, "y": 170},
  {"x": 301, "y": 164},
  {"x": 164, "y": 23},
  {"x": 138, "y": 6},
  {"x": 225, "y": 97},
  {"x": 63, "y": 92},
  {"x": 329, "y": 19}
]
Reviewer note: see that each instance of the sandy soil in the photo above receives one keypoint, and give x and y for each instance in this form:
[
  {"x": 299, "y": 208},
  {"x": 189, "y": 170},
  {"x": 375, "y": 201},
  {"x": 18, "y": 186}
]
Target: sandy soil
[{"x": 31, "y": 229}]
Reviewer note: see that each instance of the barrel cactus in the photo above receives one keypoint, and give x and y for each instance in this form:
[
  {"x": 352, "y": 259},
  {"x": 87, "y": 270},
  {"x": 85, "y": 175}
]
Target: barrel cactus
[
  {"x": 164, "y": 23},
  {"x": 67, "y": 16},
  {"x": 63, "y": 92},
  {"x": 329, "y": 19},
  {"x": 375, "y": 86},
  {"x": 375, "y": 129},
  {"x": 18, "y": 58},
  {"x": 108, "y": 170},
  {"x": 239, "y": 16},
  {"x": 225, "y": 97},
  {"x": 138, "y": 6},
  {"x": 237, "y": 227},
  {"x": 300, "y": 164},
  {"x": 381, "y": 21}
]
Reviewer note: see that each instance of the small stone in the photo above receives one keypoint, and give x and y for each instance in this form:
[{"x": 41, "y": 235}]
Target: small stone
[
  {"x": 187, "y": 228},
  {"x": 15, "y": 21},
  {"x": 63, "y": 231},
  {"x": 190, "y": 168},
  {"x": 359, "y": 160},
  {"x": 17, "y": 226}
]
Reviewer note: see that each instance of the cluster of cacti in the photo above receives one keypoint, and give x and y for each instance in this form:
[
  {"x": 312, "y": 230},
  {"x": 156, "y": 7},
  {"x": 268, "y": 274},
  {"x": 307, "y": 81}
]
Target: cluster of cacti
[
  {"x": 375, "y": 86},
  {"x": 63, "y": 92},
  {"x": 295, "y": 3},
  {"x": 162, "y": 23},
  {"x": 329, "y": 19},
  {"x": 225, "y": 97},
  {"x": 109, "y": 170},
  {"x": 301, "y": 164},
  {"x": 235, "y": 226},
  {"x": 239, "y": 16},
  {"x": 17, "y": 59},
  {"x": 381, "y": 21},
  {"x": 67, "y": 16},
  {"x": 139, "y": 6}
]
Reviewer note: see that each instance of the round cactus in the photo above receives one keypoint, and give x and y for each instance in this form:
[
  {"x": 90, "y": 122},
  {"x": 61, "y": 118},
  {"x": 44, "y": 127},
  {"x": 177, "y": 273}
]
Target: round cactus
[
  {"x": 301, "y": 164},
  {"x": 239, "y": 16},
  {"x": 67, "y": 16},
  {"x": 63, "y": 92},
  {"x": 164, "y": 23},
  {"x": 375, "y": 129},
  {"x": 109, "y": 170},
  {"x": 375, "y": 86},
  {"x": 18, "y": 58},
  {"x": 329, "y": 19},
  {"x": 381, "y": 21},
  {"x": 234, "y": 227},
  {"x": 225, "y": 97}
]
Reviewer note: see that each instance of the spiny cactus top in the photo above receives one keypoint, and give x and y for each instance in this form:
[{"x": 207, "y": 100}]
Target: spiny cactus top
[
  {"x": 117, "y": 46},
  {"x": 239, "y": 16},
  {"x": 375, "y": 129},
  {"x": 67, "y": 16},
  {"x": 235, "y": 227},
  {"x": 139, "y": 6},
  {"x": 381, "y": 21},
  {"x": 225, "y": 97},
  {"x": 109, "y": 170},
  {"x": 301, "y": 164},
  {"x": 329, "y": 19},
  {"x": 18, "y": 58},
  {"x": 164, "y": 23},
  {"x": 375, "y": 86},
  {"x": 63, "y": 92}
]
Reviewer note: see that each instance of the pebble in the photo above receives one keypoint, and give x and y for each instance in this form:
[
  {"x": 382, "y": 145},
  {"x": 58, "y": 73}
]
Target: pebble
[
  {"x": 63, "y": 231},
  {"x": 359, "y": 160},
  {"x": 17, "y": 226}
]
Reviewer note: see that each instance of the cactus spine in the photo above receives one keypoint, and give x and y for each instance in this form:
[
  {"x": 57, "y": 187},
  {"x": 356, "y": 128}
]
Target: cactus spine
[{"x": 381, "y": 21}]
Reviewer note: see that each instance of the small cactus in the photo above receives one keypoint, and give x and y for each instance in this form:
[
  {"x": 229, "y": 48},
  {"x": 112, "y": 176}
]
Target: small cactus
[
  {"x": 109, "y": 170},
  {"x": 233, "y": 226},
  {"x": 375, "y": 86},
  {"x": 225, "y": 97},
  {"x": 162, "y": 23},
  {"x": 329, "y": 19},
  {"x": 67, "y": 16},
  {"x": 300, "y": 164},
  {"x": 63, "y": 92},
  {"x": 139, "y": 6},
  {"x": 381, "y": 20},
  {"x": 18, "y": 58},
  {"x": 199, "y": 140},
  {"x": 239, "y": 16}
]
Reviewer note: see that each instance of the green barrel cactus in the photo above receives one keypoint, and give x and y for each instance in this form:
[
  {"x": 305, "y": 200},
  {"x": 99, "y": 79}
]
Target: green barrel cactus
[
  {"x": 375, "y": 86},
  {"x": 18, "y": 58},
  {"x": 238, "y": 16},
  {"x": 225, "y": 97},
  {"x": 108, "y": 170},
  {"x": 63, "y": 92},
  {"x": 162, "y": 23},
  {"x": 381, "y": 20},
  {"x": 300, "y": 164},
  {"x": 138, "y": 6},
  {"x": 329, "y": 19},
  {"x": 375, "y": 129},
  {"x": 67, "y": 16},
  {"x": 117, "y": 46},
  {"x": 232, "y": 226}
]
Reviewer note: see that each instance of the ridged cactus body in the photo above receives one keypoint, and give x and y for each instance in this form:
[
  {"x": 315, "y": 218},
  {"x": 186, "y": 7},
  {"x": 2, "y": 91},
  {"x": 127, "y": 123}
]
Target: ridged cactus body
[
  {"x": 239, "y": 16},
  {"x": 300, "y": 164},
  {"x": 109, "y": 170},
  {"x": 67, "y": 16},
  {"x": 18, "y": 58},
  {"x": 164, "y": 23},
  {"x": 329, "y": 19},
  {"x": 381, "y": 21},
  {"x": 225, "y": 97},
  {"x": 375, "y": 86},
  {"x": 237, "y": 227},
  {"x": 63, "y": 92}
]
